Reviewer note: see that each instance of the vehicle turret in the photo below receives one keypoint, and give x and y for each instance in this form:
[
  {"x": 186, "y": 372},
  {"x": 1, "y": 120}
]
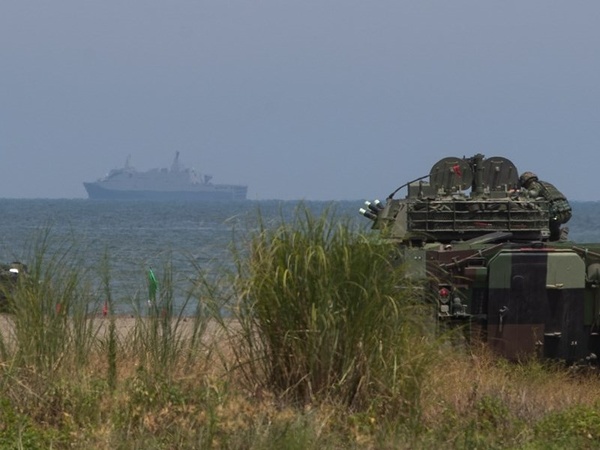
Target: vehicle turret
[{"x": 461, "y": 199}]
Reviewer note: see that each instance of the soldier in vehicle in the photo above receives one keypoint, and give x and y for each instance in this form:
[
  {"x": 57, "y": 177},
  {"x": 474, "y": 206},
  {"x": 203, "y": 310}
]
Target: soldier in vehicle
[{"x": 559, "y": 208}]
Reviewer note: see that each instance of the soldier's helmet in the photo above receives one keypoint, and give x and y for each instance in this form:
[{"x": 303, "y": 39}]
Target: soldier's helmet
[{"x": 526, "y": 178}]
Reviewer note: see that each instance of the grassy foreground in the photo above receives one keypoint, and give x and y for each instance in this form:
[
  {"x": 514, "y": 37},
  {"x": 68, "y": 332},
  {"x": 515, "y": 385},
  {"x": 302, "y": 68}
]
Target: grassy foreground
[{"x": 313, "y": 340}]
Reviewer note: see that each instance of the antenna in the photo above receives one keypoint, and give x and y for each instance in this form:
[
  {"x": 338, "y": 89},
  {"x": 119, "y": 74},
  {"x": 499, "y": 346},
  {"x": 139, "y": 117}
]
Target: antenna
[{"x": 175, "y": 165}]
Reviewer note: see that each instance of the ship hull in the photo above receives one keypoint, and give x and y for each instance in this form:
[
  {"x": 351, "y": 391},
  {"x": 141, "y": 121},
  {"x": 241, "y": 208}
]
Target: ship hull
[{"x": 214, "y": 193}]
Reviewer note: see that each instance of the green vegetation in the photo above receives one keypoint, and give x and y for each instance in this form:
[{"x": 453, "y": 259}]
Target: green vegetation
[
  {"x": 312, "y": 340},
  {"x": 324, "y": 320}
]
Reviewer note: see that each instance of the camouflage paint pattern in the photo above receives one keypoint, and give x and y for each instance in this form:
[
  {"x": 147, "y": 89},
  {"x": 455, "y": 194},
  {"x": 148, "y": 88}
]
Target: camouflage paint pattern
[
  {"x": 524, "y": 301},
  {"x": 536, "y": 304}
]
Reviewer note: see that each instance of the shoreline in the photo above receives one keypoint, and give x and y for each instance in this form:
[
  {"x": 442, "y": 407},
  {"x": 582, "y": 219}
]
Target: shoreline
[{"x": 125, "y": 324}]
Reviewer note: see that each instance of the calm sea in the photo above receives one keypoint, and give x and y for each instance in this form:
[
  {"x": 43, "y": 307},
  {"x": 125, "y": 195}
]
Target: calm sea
[{"x": 138, "y": 235}]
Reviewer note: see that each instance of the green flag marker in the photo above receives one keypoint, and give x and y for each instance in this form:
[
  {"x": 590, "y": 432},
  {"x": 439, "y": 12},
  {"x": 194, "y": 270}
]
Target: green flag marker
[{"x": 152, "y": 286}]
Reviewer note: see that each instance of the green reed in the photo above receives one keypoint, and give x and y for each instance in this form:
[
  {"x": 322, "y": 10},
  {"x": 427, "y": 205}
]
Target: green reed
[
  {"x": 326, "y": 314},
  {"x": 164, "y": 336}
]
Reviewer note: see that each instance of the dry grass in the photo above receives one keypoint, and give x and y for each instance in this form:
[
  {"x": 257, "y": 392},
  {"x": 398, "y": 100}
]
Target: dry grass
[
  {"x": 530, "y": 390},
  {"x": 207, "y": 393}
]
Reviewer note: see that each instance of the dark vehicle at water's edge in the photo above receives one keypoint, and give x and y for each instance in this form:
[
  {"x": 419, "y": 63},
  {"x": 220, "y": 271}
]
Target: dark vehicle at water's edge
[{"x": 9, "y": 276}]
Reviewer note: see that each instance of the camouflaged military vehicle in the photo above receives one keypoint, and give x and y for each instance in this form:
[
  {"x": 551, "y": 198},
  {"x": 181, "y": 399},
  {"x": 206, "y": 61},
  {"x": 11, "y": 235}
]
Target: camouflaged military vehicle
[{"x": 480, "y": 243}]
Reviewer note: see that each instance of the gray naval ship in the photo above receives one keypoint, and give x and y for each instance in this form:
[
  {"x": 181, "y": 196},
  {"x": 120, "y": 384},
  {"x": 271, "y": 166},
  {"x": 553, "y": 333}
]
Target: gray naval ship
[{"x": 176, "y": 183}]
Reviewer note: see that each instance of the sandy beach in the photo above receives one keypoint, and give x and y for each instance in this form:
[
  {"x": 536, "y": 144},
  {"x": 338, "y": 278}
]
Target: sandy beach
[{"x": 124, "y": 325}]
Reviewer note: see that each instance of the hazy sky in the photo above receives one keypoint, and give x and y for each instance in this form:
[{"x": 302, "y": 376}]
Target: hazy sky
[{"x": 319, "y": 100}]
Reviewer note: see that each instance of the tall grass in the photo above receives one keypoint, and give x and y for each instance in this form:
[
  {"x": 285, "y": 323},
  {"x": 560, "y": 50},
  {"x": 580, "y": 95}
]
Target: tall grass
[
  {"x": 161, "y": 337},
  {"x": 322, "y": 328},
  {"x": 50, "y": 307},
  {"x": 325, "y": 316},
  {"x": 64, "y": 354}
]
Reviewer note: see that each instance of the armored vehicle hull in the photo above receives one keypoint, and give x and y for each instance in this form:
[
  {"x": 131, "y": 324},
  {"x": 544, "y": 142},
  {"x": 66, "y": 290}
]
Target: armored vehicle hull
[{"x": 488, "y": 262}]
